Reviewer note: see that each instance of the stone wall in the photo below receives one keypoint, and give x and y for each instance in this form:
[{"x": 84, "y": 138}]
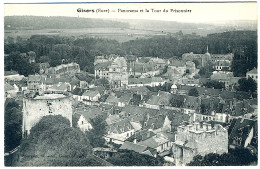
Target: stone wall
[{"x": 35, "y": 109}]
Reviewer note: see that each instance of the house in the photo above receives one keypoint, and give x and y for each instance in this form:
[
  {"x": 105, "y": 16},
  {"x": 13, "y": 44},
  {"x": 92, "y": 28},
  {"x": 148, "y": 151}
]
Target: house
[
  {"x": 112, "y": 118},
  {"x": 90, "y": 112},
  {"x": 222, "y": 65},
  {"x": 43, "y": 67},
  {"x": 37, "y": 83},
  {"x": 10, "y": 91},
  {"x": 141, "y": 149},
  {"x": 82, "y": 122},
  {"x": 31, "y": 56},
  {"x": 77, "y": 93},
  {"x": 91, "y": 95},
  {"x": 124, "y": 99},
  {"x": 119, "y": 131},
  {"x": 198, "y": 138},
  {"x": 60, "y": 87},
  {"x": 162, "y": 99},
  {"x": 223, "y": 76},
  {"x": 139, "y": 82},
  {"x": 114, "y": 70},
  {"x": 63, "y": 70},
  {"x": 252, "y": 73},
  {"x": 159, "y": 142},
  {"x": 13, "y": 76}
]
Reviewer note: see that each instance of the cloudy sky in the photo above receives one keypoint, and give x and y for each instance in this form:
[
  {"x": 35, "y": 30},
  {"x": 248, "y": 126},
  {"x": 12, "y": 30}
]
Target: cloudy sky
[{"x": 200, "y": 12}]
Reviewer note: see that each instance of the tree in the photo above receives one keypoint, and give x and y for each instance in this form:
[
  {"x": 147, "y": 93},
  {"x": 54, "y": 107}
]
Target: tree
[
  {"x": 52, "y": 142},
  {"x": 102, "y": 82},
  {"x": 12, "y": 125},
  {"x": 207, "y": 70},
  {"x": 214, "y": 84},
  {"x": 236, "y": 157},
  {"x": 131, "y": 158},
  {"x": 95, "y": 135},
  {"x": 247, "y": 85},
  {"x": 55, "y": 58},
  {"x": 197, "y": 63},
  {"x": 193, "y": 92}
]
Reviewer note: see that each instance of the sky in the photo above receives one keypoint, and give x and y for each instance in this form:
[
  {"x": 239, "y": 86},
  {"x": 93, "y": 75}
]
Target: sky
[{"x": 199, "y": 12}]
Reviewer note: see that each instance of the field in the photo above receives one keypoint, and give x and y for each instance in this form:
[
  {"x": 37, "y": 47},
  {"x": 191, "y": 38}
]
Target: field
[{"x": 121, "y": 35}]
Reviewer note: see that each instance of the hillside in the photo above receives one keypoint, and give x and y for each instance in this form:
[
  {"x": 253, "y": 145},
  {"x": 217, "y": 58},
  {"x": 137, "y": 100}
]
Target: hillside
[{"x": 57, "y": 22}]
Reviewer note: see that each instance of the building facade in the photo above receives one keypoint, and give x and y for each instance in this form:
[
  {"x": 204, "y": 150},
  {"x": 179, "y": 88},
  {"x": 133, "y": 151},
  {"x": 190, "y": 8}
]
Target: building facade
[{"x": 198, "y": 138}]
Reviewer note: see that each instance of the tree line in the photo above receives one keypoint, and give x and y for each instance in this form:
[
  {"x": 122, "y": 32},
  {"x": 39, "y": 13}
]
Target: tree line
[{"x": 56, "y": 49}]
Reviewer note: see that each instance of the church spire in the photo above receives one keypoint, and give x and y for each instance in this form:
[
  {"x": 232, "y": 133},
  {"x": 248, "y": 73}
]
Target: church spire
[{"x": 207, "y": 49}]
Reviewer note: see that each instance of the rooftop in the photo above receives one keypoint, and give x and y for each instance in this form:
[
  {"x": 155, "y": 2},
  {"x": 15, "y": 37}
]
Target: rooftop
[{"x": 50, "y": 96}]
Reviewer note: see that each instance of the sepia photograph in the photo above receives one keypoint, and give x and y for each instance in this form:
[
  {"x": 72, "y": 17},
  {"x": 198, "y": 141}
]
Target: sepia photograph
[{"x": 91, "y": 84}]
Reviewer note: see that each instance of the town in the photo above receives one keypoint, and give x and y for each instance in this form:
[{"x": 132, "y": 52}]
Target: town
[
  {"x": 143, "y": 84},
  {"x": 152, "y": 106}
]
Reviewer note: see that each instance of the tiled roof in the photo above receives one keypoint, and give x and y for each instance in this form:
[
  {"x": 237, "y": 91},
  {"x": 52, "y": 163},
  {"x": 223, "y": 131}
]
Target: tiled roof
[
  {"x": 221, "y": 76},
  {"x": 154, "y": 141},
  {"x": 112, "y": 99},
  {"x": 90, "y": 93},
  {"x": 142, "y": 89},
  {"x": 112, "y": 119},
  {"x": 121, "y": 126},
  {"x": 139, "y": 80},
  {"x": 100, "y": 89},
  {"x": 12, "y": 72},
  {"x": 78, "y": 91},
  {"x": 134, "y": 147},
  {"x": 103, "y": 65},
  {"x": 37, "y": 78},
  {"x": 177, "y": 63},
  {"x": 91, "y": 112},
  {"x": 59, "y": 87},
  {"x": 8, "y": 87}
]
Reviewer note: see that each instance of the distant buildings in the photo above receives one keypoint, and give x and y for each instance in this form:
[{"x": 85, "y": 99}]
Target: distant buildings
[
  {"x": 113, "y": 69},
  {"x": 219, "y": 61},
  {"x": 63, "y": 70}
]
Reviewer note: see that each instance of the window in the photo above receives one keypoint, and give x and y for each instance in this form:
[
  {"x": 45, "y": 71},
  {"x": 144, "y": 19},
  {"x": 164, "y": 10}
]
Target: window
[{"x": 82, "y": 122}]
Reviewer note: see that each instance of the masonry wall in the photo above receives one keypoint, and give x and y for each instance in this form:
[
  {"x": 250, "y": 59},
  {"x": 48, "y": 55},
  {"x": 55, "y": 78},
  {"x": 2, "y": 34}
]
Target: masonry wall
[{"x": 35, "y": 109}]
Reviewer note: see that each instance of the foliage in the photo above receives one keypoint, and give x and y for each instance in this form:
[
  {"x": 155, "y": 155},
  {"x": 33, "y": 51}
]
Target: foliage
[
  {"x": 176, "y": 102},
  {"x": 214, "y": 84},
  {"x": 82, "y": 51},
  {"x": 236, "y": 157},
  {"x": 193, "y": 92},
  {"x": 165, "y": 87},
  {"x": 16, "y": 62},
  {"x": 12, "y": 126},
  {"x": 102, "y": 82},
  {"x": 206, "y": 71},
  {"x": 95, "y": 135},
  {"x": 52, "y": 142},
  {"x": 247, "y": 85},
  {"x": 131, "y": 158}
]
